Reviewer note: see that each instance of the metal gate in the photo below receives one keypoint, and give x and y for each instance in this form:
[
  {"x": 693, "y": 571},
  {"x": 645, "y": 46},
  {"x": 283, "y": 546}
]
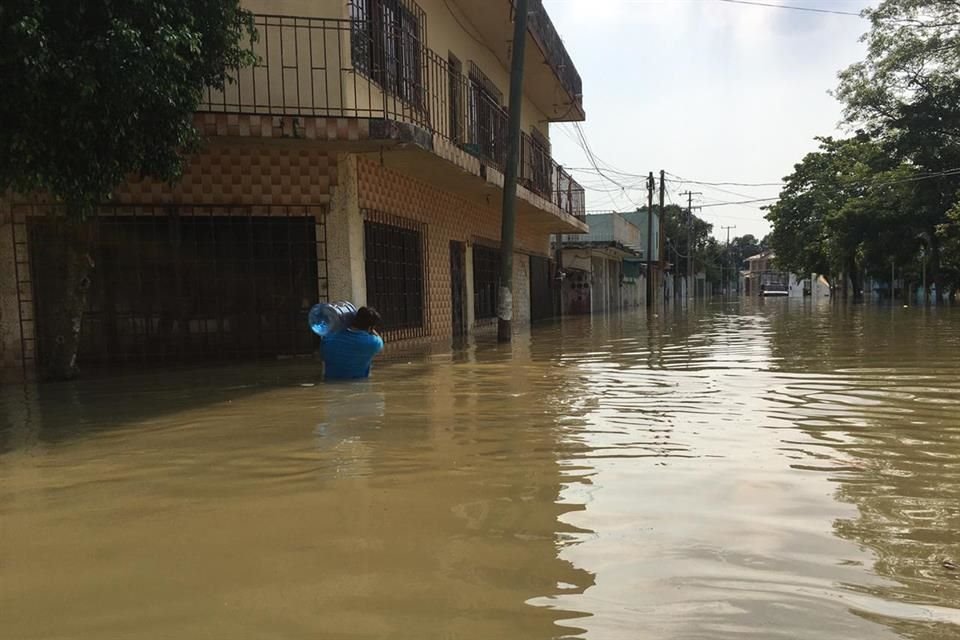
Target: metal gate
[
  {"x": 544, "y": 289},
  {"x": 181, "y": 283},
  {"x": 486, "y": 281},
  {"x": 458, "y": 287}
]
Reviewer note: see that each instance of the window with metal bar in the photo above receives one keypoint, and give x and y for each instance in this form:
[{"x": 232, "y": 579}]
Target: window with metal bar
[
  {"x": 388, "y": 39},
  {"x": 189, "y": 283},
  {"x": 488, "y": 118},
  {"x": 486, "y": 281},
  {"x": 394, "y": 260}
]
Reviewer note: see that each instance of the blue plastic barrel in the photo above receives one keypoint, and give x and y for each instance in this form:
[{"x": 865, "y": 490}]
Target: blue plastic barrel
[{"x": 331, "y": 317}]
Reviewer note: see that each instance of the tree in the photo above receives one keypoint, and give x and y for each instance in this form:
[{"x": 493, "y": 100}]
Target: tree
[
  {"x": 95, "y": 91},
  {"x": 678, "y": 227},
  {"x": 741, "y": 248},
  {"x": 845, "y": 208},
  {"x": 907, "y": 93},
  {"x": 913, "y": 54}
]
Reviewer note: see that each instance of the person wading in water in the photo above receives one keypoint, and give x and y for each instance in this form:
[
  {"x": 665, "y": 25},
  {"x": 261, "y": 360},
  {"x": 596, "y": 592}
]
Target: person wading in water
[{"x": 348, "y": 355}]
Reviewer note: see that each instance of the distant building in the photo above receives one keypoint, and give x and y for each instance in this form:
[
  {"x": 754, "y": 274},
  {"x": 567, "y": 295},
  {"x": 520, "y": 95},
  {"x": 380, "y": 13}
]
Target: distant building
[
  {"x": 762, "y": 277},
  {"x": 605, "y": 268}
]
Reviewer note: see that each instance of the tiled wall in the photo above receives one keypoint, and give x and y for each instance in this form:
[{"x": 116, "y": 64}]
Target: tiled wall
[
  {"x": 246, "y": 174},
  {"x": 448, "y": 217}
]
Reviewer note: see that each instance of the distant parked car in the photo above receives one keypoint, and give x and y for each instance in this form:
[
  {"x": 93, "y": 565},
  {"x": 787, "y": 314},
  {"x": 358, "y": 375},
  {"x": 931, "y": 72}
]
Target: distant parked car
[{"x": 773, "y": 290}]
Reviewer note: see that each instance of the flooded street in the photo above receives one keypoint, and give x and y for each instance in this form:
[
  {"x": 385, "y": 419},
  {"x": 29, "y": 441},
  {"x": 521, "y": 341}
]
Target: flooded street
[{"x": 767, "y": 470}]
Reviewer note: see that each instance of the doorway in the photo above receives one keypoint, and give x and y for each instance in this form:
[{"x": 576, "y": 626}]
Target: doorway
[{"x": 458, "y": 287}]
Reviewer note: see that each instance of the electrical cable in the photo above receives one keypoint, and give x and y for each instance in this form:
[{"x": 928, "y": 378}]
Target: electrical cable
[{"x": 790, "y": 7}]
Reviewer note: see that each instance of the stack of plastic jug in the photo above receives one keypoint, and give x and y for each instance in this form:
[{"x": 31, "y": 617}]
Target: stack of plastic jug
[{"x": 331, "y": 317}]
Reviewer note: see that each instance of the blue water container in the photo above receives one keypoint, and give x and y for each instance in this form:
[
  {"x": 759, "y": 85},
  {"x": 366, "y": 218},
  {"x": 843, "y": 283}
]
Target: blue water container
[{"x": 330, "y": 317}]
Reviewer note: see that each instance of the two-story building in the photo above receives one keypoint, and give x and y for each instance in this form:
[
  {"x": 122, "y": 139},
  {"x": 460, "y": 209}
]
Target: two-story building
[{"x": 360, "y": 159}]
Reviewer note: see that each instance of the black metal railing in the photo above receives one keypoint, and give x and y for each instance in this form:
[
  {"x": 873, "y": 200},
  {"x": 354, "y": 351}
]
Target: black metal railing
[
  {"x": 540, "y": 24},
  {"x": 376, "y": 69}
]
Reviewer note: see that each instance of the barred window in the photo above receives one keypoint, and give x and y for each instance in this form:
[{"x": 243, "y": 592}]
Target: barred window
[
  {"x": 488, "y": 118},
  {"x": 394, "y": 257},
  {"x": 387, "y": 39}
]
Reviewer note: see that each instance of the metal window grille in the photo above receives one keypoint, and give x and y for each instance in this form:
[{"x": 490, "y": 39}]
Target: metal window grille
[
  {"x": 181, "y": 284},
  {"x": 488, "y": 119},
  {"x": 486, "y": 281},
  {"x": 388, "y": 38},
  {"x": 395, "y": 257}
]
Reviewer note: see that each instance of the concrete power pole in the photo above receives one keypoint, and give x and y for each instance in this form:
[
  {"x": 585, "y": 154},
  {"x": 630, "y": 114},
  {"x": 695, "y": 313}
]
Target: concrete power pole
[
  {"x": 690, "y": 274},
  {"x": 509, "y": 218},
  {"x": 722, "y": 268},
  {"x": 663, "y": 191},
  {"x": 651, "y": 185}
]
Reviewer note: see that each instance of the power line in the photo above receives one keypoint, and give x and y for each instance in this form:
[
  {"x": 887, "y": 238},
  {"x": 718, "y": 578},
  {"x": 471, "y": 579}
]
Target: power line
[
  {"x": 863, "y": 183},
  {"x": 769, "y": 5},
  {"x": 726, "y": 184}
]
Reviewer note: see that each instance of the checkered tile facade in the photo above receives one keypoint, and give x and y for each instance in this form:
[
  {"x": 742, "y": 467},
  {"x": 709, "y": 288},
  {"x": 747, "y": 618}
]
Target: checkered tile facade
[
  {"x": 243, "y": 175},
  {"x": 447, "y": 217},
  {"x": 265, "y": 126}
]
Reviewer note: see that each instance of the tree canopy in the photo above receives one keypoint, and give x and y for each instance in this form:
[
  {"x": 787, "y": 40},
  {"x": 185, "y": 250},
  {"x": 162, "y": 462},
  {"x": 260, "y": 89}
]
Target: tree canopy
[
  {"x": 884, "y": 196},
  {"x": 96, "y": 90}
]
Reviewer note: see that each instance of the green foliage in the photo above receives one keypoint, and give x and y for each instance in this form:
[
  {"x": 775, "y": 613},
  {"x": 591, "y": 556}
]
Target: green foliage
[
  {"x": 683, "y": 232},
  {"x": 913, "y": 54},
  {"x": 882, "y": 198},
  {"x": 845, "y": 207},
  {"x": 96, "y": 90}
]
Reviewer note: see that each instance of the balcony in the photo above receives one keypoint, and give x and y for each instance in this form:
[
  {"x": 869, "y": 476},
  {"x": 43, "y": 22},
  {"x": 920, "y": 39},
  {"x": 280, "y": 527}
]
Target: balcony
[
  {"x": 549, "y": 69},
  {"x": 546, "y": 36},
  {"x": 402, "y": 92}
]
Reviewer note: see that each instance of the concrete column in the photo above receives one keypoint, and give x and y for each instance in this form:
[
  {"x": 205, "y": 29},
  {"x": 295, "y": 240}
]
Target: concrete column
[
  {"x": 345, "y": 261},
  {"x": 471, "y": 312},
  {"x": 521, "y": 289},
  {"x": 11, "y": 358}
]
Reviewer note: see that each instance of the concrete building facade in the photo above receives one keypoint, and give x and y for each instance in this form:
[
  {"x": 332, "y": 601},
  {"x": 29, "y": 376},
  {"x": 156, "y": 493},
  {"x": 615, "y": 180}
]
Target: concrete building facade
[{"x": 361, "y": 159}]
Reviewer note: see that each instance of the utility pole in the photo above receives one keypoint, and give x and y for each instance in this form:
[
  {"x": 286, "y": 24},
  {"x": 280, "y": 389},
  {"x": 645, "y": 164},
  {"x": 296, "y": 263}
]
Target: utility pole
[
  {"x": 663, "y": 188},
  {"x": 723, "y": 267},
  {"x": 690, "y": 275},
  {"x": 509, "y": 218},
  {"x": 651, "y": 184}
]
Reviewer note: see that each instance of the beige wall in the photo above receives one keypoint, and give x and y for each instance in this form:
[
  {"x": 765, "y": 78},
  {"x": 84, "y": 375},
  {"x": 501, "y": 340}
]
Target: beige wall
[
  {"x": 447, "y": 217},
  {"x": 444, "y": 34},
  {"x": 625, "y": 232},
  {"x": 332, "y": 88}
]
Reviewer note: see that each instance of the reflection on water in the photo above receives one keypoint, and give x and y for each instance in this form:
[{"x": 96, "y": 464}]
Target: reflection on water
[{"x": 773, "y": 470}]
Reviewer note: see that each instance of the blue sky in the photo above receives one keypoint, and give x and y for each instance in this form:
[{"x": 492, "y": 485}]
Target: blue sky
[{"x": 705, "y": 90}]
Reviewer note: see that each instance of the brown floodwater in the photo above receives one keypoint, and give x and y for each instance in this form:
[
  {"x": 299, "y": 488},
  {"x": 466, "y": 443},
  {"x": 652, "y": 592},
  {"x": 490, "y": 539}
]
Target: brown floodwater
[{"x": 770, "y": 469}]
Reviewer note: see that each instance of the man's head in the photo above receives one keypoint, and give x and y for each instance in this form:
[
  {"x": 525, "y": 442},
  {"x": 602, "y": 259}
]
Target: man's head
[{"x": 367, "y": 319}]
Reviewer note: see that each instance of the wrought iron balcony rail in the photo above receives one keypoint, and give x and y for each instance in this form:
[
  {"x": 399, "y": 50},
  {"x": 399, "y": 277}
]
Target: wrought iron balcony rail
[{"x": 375, "y": 69}]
